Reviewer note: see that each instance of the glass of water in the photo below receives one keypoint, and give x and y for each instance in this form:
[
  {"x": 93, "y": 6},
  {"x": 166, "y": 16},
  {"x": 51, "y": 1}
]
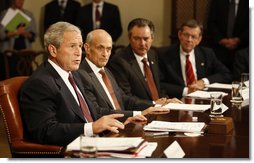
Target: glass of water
[{"x": 216, "y": 105}]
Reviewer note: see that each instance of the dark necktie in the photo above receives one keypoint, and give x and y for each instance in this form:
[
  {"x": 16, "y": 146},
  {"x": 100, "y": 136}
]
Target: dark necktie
[
  {"x": 97, "y": 17},
  {"x": 231, "y": 18},
  {"x": 190, "y": 78},
  {"x": 150, "y": 81},
  {"x": 82, "y": 102},
  {"x": 110, "y": 88}
]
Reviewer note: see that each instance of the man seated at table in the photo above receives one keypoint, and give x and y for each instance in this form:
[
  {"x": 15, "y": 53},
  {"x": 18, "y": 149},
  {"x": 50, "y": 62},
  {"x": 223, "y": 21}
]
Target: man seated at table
[
  {"x": 54, "y": 107},
  {"x": 187, "y": 67},
  {"x": 100, "y": 84}
]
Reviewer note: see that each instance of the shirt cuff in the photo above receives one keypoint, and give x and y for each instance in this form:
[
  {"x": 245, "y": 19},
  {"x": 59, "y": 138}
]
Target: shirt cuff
[
  {"x": 88, "y": 129},
  {"x": 185, "y": 91},
  {"x": 136, "y": 113},
  {"x": 206, "y": 81}
]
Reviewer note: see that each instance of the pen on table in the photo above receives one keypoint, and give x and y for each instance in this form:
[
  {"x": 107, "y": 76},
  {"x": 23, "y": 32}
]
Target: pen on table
[{"x": 160, "y": 133}]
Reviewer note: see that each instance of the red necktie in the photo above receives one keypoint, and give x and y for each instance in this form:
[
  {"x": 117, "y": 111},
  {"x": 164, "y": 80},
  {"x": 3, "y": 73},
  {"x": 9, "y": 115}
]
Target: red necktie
[
  {"x": 97, "y": 17},
  {"x": 110, "y": 88},
  {"x": 82, "y": 102},
  {"x": 150, "y": 81},
  {"x": 190, "y": 78}
]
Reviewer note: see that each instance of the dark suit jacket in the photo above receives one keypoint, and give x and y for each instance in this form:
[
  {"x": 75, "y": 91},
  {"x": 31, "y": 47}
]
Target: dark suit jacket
[
  {"x": 127, "y": 72},
  {"x": 50, "y": 113},
  {"x": 98, "y": 96},
  {"x": 218, "y": 18},
  {"x": 241, "y": 63},
  {"x": 110, "y": 20},
  {"x": 207, "y": 65},
  {"x": 52, "y": 13}
]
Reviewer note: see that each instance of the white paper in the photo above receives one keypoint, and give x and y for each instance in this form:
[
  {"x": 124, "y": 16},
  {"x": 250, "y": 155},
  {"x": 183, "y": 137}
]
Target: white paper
[
  {"x": 148, "y": 150},
  {"x": 187, "y": 107},
  {"x": 175, "y": 126},
  {"x": 174, "y": 151},
  {"x": 8, "y": 16},
  {"x": 245, "y": 93},
  {"x": 106, "y": 143},
  {"x": 204, "y": 94},
  {"x": 219, "y": 85}
]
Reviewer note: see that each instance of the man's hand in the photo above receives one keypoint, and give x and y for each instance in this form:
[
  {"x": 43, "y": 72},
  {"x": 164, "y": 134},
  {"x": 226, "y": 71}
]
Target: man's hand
[
  {"x": 155, "y": 110},
  {"x": 136, "y": 118},
  {"x": 108, "y": 122},
  {"x": 196, "y": 85}
]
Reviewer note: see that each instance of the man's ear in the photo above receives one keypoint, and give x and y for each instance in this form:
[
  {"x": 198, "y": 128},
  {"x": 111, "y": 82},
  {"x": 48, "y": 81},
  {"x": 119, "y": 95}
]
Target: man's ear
[{"x": 52, "y": 50}]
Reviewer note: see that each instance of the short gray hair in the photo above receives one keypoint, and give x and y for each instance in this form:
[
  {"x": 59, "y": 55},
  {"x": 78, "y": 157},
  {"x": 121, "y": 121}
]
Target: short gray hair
[{"x": 54, "y": 34}]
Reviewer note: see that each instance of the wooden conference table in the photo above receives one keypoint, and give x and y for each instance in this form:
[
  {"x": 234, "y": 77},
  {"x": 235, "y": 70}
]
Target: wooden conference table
[{"x": 234, "y": 144}]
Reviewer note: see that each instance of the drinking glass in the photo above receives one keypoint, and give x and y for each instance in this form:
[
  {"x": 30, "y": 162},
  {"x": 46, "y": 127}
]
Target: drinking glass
[{"x": 216, "y": 105}]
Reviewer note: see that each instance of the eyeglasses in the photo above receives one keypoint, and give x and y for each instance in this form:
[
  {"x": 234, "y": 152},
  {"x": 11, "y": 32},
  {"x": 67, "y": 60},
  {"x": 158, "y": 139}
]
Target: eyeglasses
[{"x": 193, "y": 37}]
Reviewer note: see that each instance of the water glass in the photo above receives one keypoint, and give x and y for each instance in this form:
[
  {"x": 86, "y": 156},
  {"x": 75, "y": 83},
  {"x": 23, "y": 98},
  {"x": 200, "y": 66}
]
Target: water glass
[
  {"x": 236, "y": 92},
  {"x": 216, "y": 105},
  {"x": 87, "y": 151}
]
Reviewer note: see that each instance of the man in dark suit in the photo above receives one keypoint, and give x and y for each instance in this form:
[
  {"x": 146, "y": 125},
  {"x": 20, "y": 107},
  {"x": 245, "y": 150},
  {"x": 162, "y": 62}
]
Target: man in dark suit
[
  {"x": 98, "y": 48},
  {"x": 61, "y": 10},
  {"x": 109, "y": 19},
  {"x": 54, "y": 109},
  {"x": 204, "y": 65},
  {"x": 127, "y": 65},
  {"x": 228, "y": 33}
]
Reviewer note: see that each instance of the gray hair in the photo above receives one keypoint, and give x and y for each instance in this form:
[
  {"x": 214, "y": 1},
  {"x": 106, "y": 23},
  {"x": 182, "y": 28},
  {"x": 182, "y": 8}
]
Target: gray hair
[{"x": 54, "y": 34}]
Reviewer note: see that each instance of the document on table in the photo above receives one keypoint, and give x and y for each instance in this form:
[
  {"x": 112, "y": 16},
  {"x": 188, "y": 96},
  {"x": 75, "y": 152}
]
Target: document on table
[
  {"x": 219, "y": 85},
  {"x": 187, "y": 107},
  {"x": 106, "y": 143},
  {"x": 175, "y": 126},
  {"x": 204, "y": 94},
  {"x": 174, "y": 151}
]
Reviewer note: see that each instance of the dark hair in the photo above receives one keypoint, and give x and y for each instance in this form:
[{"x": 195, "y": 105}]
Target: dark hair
[
  {"x": 192, "y": 23},
  {"x": 141, "y": 22}
]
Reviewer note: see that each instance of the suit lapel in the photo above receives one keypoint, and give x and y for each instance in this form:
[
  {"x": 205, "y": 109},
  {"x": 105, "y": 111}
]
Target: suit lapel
[
  {"x": 96, "y": 83},
  {"x": 135, "y": 67},
  {"x": 200, "y": 63},
  {"x": 70, "y": 100}
]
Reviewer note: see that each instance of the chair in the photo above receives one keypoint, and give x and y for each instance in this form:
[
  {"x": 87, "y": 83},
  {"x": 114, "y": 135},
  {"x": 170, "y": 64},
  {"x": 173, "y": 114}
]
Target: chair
[
  {"x": 24, "y": 61},
  {"x": 17, "y": 138}
]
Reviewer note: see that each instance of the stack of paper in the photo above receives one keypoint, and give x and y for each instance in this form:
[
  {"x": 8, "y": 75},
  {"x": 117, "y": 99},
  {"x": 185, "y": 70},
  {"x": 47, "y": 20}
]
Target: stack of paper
[
  {"x": 14, "y": 18},
  {"x": 187, "y": 107},
  {"x": 175, "y": 126},
  {"x": 204, "y": 94},
  {"x": 219, "y": 85},
  {"x": 107, "y": 144}
]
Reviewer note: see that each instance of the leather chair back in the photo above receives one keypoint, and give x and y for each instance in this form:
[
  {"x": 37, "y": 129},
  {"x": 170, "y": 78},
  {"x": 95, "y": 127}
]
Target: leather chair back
[{"x": 19, "y": 143}]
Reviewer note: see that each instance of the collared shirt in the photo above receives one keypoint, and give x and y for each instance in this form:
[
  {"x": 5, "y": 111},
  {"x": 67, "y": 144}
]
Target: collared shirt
[
  {"x": 88, "y": 129},
  {"x": 99, "y": 77},
  {"x": 193, "y": 63},
  {"x": 140, "y": 63},
  {"x": 94, "y": 11},
  {"x": 62, "y": 3}
]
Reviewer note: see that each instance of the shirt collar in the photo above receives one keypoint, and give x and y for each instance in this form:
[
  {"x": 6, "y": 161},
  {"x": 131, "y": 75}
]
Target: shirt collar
[
  {"x": 64, "y": 74},
  {"x": 139, "y": 58},
  {"x": 96, "y": 4},
  {"x": 93, "y": 66}
]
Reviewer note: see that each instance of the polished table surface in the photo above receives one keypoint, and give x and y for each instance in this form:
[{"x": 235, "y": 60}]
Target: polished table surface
[{"x": 234, "y": 144}]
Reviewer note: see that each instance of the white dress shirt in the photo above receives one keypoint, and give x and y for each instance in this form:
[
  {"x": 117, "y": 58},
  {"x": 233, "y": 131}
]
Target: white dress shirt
[
  {"x": 88, "y": 129},
  {"x": 183, "y": 65}
]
